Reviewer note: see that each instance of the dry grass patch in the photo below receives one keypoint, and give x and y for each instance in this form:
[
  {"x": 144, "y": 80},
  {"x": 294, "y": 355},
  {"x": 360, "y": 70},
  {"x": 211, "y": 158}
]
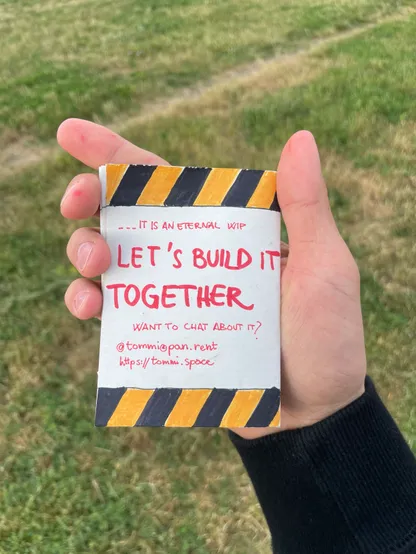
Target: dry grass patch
[
  {"x": 82, "y": 357},
  {"x": 235, "y": 87},
  {"x": 379, "y": 204},
  {"x": 364, "y": 188}
]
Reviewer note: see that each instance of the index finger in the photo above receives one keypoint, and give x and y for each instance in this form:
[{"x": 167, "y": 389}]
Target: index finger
[{"x": 95, "y": 145}]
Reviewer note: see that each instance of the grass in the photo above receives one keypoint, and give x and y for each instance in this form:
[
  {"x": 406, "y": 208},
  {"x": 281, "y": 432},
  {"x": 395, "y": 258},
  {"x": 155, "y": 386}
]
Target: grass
[
  {"x": 96, "y": 60},
  {"x": 71, "y": 488}
]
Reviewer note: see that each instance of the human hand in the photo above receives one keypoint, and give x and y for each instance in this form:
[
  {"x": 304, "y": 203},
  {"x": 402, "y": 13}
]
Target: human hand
[
  {"x": 87, "y": 250},
  {"x": 323, "y": 354},
  {"x": 322, "y": 335}
]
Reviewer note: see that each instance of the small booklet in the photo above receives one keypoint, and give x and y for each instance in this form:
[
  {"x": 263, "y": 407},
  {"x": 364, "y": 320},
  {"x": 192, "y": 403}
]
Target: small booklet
[{"x": 190, "y": 332}]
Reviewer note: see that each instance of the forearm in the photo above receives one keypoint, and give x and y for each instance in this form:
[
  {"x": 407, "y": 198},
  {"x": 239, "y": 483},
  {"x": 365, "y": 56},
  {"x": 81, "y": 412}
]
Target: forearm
[{"x": 344, "y": 485}]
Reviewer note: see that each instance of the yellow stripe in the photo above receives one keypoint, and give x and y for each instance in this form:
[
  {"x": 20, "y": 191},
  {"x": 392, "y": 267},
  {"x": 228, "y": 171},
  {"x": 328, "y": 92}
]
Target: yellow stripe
[
  {"x": 159, "y": 185},
  {"x": 129, "y": 408},
  {"x": 216, "y": 186},
  {"x": 187, "y": 408},
  {"x": 275, "y": 422},
  {"x": 114, "y": 174},
  {"x": 241, "y": 408},
  {"x": 263, "y": 196}
]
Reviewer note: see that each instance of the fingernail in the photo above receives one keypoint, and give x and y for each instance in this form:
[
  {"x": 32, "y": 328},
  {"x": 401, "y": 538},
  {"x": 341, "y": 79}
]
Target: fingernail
[
  {"x": 80, "y": 300},
  {"x": 68, "y": 190},
  {"x": 83, "y": 254}
]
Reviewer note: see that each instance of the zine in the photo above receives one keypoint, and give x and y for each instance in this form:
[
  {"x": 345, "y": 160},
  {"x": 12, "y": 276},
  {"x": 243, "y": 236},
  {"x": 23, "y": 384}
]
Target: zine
[{"x": 190, "y": 331}]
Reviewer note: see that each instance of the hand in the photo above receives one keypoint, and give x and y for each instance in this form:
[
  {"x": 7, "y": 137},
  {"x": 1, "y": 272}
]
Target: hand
[
  {"x": 93, "y": 145},
  {"x": 322, "y": 336},
  {"x": 323, "y": 353}
]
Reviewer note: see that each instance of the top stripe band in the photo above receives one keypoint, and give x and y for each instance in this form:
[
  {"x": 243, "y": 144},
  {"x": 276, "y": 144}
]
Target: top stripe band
[{"x": 149, "y": 185}]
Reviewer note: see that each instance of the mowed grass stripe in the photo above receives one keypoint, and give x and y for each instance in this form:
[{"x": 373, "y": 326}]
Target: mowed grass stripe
[
  {"x": 16, "y": 156},
  {"x": 100, "y": 66}
]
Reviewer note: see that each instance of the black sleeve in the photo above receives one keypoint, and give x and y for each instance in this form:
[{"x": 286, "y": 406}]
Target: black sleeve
[{"x": 346, "y": 485}]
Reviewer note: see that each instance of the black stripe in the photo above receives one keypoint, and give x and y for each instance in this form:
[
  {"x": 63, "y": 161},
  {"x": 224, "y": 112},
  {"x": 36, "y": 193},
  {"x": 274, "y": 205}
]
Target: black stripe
[
  {"x": 158, "y": 408},
  {"x": 107, "y": 401},
  {"x": 215, "y": 407},
  {"x": 132, "y": 184},
  {"x": 243, "y": 188},
  {"x": 266, "y": 409},
  {"x": 274, "y": 206},
  {"x": 187, "y": 186}
]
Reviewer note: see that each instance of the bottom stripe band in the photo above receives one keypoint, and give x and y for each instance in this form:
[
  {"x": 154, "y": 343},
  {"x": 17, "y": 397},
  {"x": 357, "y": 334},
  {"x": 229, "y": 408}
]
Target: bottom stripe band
[{"x": 172, "y": 407}]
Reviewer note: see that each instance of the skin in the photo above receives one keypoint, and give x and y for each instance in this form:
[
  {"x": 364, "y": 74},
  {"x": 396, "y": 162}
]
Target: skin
[{"x": 323, "y": 352}]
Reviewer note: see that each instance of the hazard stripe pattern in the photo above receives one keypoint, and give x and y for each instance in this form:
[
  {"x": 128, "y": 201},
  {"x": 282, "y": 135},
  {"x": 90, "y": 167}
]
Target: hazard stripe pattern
[
  {"x": 150, "y": 185},
  {"x": 174, "y": 407}
]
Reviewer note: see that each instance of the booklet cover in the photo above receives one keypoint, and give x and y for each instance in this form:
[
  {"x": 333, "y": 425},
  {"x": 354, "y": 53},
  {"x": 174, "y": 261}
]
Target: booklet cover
[{"x": 190, "y": 331}]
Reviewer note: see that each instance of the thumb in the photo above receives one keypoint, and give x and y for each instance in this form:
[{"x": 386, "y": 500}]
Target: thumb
[{"x": 303, "y": 196}]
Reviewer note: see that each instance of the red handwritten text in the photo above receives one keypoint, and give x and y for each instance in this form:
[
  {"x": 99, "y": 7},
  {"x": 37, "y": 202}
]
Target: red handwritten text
[{"x": 170, "y": 295}]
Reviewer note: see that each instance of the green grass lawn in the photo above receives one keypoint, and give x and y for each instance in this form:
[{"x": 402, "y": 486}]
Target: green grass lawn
[
  {"x": 71, "y": 488},
  {"x": 97, "y": 58}
]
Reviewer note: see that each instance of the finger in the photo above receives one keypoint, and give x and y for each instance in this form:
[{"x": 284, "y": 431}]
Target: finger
[
  {"x": 94, "y": 145},
  {"x": 84, "y": 299},
  {"x": 88, "y": 252},
  {"x": 82, "y": 197},
  {"x": 303, "y": 196}
]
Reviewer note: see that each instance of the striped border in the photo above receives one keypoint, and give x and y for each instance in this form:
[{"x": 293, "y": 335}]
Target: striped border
[
  {"x": 151, "y": 185},
  {"x": 171, "y": 407}
]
